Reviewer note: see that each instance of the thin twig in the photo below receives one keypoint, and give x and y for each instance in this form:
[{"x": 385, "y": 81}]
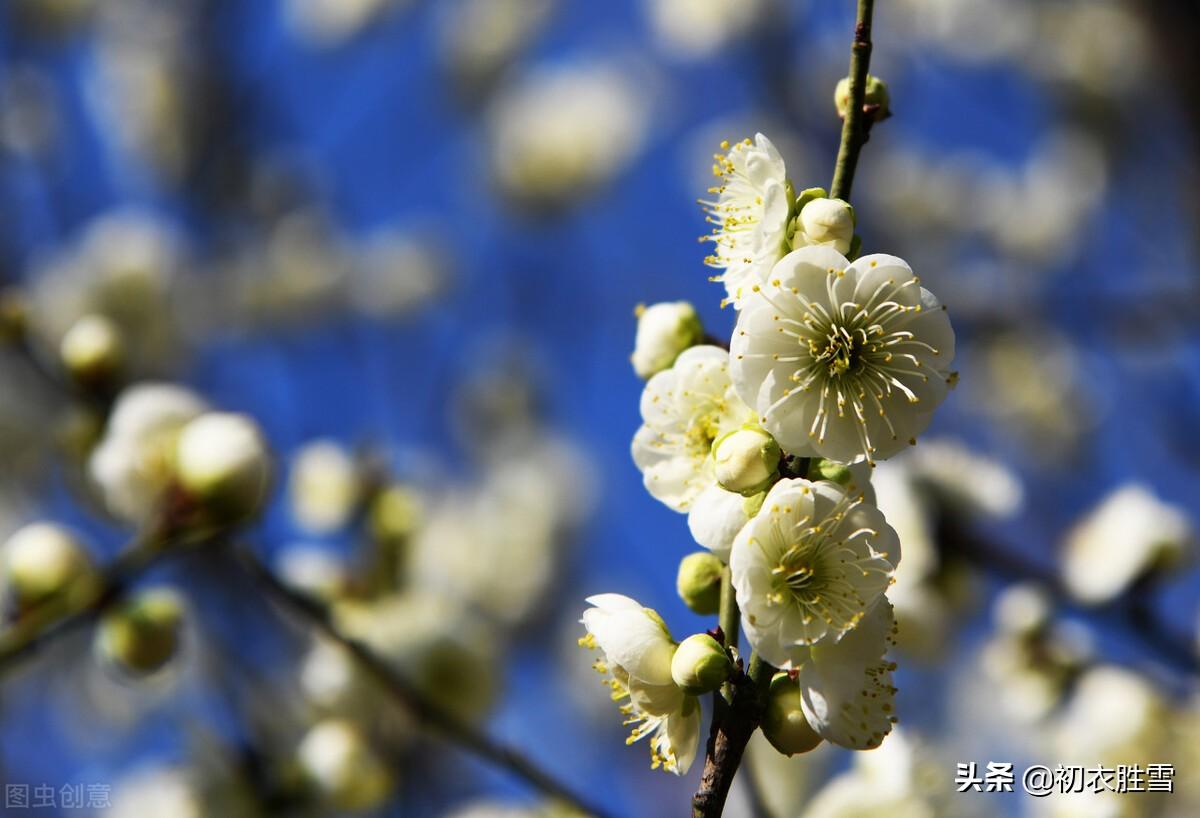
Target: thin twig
[
  {"x": 856, "y": 126},
  {"x": 402, "y": 691}
]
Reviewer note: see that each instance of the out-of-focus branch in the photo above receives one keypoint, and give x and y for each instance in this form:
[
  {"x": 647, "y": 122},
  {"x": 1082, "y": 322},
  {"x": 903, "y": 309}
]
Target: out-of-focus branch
[
  {"x": 403, "y": 692},
  {"x": 960, "y": 540},
  {"x": 856, "y": 126}
]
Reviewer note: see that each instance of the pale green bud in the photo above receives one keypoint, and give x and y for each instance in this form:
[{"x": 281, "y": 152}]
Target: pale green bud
[
  {"x": 664, "y": 330},
  {"x": 822, "y": 469},
  {"x": 394, "y": 514},
  {"x": 143, "y": 634},
  {"x": 700, "y": 665},
  {"x": 92, "y": 350},
  {"x": 747, "y": 460},
  {"x": 784, "y": 724},
  {"x": 699, "y": 582},
  {"x": 828, "y": 222},
  {"x": 876, "y": 100},
  {"x": 221, "y": 461},
  {"x": 44, "y": 561}
]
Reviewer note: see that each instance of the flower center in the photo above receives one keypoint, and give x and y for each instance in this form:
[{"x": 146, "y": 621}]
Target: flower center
[{"x": 842, "y": 351}]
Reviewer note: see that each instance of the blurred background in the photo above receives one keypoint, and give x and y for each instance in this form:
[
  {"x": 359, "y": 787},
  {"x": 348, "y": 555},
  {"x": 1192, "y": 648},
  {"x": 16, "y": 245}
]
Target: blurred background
[{"x": 408, "y": 237}]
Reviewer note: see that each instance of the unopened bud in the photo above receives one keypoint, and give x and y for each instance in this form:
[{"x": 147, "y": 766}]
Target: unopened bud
[
  {"x": 92, "y": 350},
  {"x": 143, "y": 634},
  {"x": 827, "y": 222},
  {"x": 747, "y": 460},
  {"x": 783, "y": 722},
  {"x": 221, "y": 461},
  {"x": 699, "y": 582},
  {"x": 395, "y": 514},
  {"x": 876, "y": 99},
  {"x": 44, "y": 561},
  {"x": 700, "y": 665},
  {"x": 664, "y": 330},
  {"x": 822, "y": 469}
]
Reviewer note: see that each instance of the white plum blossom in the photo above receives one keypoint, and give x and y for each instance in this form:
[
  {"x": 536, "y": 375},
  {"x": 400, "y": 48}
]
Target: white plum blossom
[
  {"x": 685, "y": 409},
  {"x": 808, "y": 568},
  {"x": 664, "y": 330},
  {"x": 846, "y": 686},
  {"x": 133, "y": 463},
  {"x": 843, "y": 360},
  {"x": 1131, "y": 532},
  {"x": 638, "y": 650},
  {"x": 750, "y": 214}
]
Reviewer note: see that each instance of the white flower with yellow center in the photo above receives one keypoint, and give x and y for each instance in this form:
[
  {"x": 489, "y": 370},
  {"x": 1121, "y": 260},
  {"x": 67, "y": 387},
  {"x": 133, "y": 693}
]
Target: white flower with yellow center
[
  {"x": 750, "y": 214},
  {"x": 808, "y": 567},
  {"x": 842, "y": 360},
  {"x": 685, "y": 409},
  {"x": 638, "y": 650}
]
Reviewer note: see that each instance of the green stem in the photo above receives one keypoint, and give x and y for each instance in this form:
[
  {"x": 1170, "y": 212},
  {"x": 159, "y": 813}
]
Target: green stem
[{"x": 856, "y": 126}]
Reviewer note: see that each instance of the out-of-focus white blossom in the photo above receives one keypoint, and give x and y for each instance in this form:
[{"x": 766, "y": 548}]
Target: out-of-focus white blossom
[
  {"x": 846, "y": 360},
  {"x": 557, "y": 133},
  {"x": 447, "y": 652},
  {"x": 693, "y": 29},
  {"x": 808, "y": 567},
  {"x": 124, "y": 269},
  {"x": 395, "y": 273},
  {"x": 638, "y": 650},
  {"x": 157, "y": 791},
  {"x": 480, "y": 38},
  {"x": 1115, "y": 716},
  {"x": 884, "y": 782},
  {"x": 143, "y": 633},
  {"x": 324, "y": 486},
  {"x": 664, "y": 330},
  {"x": 330, "y": 23},
  {"x": 313, "y": 570},
  {"x": 971, "y": 483},
  {"x": 750, "y": 215},
  {"x": 336, "y": 758},
  {"x": 684, "y": 410},
  {"x": 135, "y": 461},
  {"x": 1129, "y": 533}
]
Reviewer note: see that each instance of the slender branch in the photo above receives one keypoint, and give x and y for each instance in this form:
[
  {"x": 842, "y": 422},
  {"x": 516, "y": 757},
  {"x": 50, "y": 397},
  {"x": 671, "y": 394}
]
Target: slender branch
[
  {"x": 408, "y": 696},
  {"x": 856, "y": 126}
]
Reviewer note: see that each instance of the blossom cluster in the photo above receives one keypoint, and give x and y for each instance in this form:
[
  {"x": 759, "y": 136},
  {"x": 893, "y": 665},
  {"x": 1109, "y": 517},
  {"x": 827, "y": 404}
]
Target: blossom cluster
[{"x": 837, "y": 361}]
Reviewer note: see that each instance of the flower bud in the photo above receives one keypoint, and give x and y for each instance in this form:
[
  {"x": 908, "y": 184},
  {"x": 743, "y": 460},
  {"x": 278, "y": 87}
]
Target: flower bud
[
  {"x": 44, "y": 561},
  {"x": 699, "y": 582},
  {"x": 827, "y": 222},
  {"x": 831, "y": 470},
  {"x": 394, "y": 514},
  {"x": 700, "y": 665},
  {"x": 342, "y": 767},
  {"x": 783, "y": 722},
  {"x": 92, "y": 350},
  {"x": 876, "y": 99},
  {"x": 747, "y": 460},
  {"x": 664, "y": 330},
  {"x": 222, "y": 462},
  {"x": 142, "y": 635}
]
